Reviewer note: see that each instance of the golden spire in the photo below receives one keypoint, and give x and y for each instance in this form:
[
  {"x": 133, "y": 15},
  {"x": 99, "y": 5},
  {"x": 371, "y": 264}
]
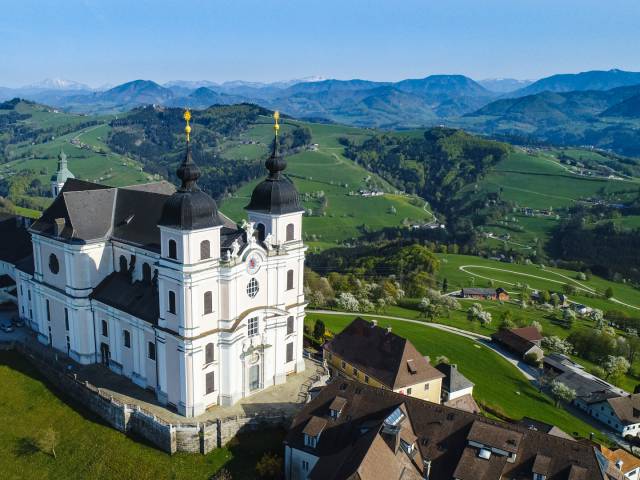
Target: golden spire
[
  {"x": 187, "y": 118},
  {"x": 276, "y": 126}
]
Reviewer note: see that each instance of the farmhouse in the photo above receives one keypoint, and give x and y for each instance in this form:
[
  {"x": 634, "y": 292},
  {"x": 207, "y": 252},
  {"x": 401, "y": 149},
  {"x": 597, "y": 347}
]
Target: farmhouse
[
  {"x": 622, "y": 414},
  {"x": 522, "y": 341},
  {"x": 375, "y": 356},
  {"x": 354, "y": 431},
  {"x": 159, "y": 286},
  {"x": 485, "y": 294}
]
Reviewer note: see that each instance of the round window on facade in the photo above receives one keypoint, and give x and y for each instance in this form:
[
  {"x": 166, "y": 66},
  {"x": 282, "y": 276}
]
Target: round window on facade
[
  {"x": 252, "y": 288},
  {"x": 54, "y": 265}
]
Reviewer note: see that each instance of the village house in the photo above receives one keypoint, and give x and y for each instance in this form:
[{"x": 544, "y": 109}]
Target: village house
[
  {"x": 485, "y": 293},
  {"x": 622, "y": 465},
  {"x": 457, "y": 390},
  {"x": 354, "y": 431},
  {"x": 521, "y": 341},
  {"x": 375, "y": 356},
  {"x": 621, "y": 413}
]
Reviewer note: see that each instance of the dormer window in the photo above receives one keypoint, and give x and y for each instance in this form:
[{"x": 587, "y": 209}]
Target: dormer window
[
  {"x": 337, "y": 406},
  {"x": 396, "y": 417},
  {"x": 313, "y": 430},
  {"x": 409, "y": 448},
  {"x": 484, "y": 453}
]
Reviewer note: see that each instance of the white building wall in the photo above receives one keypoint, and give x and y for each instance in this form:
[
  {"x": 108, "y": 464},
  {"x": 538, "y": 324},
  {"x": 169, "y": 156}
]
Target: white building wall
[{"x": 298, "y": 464}]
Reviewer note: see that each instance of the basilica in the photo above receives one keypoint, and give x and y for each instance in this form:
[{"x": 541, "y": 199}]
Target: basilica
[{"x": 158, "y": 285}]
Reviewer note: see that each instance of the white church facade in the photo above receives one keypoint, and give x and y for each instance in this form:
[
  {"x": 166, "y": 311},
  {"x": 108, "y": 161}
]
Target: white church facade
[{"x": 162, "y": 288}]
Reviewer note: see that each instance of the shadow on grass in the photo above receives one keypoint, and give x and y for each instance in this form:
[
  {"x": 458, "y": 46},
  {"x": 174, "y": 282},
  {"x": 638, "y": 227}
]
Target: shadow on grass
[
  {"x": 247, "y": 449},
  {"x": 25, "y": 446}
]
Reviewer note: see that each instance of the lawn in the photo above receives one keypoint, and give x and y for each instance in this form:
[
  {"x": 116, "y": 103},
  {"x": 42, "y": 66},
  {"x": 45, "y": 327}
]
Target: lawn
[
  {"x": 498, "y": 384},
  {"x": 87, "y": 448},
  {"x": 328, "y": 171}
]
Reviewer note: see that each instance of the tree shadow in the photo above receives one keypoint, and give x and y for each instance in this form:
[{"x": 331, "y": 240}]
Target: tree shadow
[{"x": 25, "y": 446}]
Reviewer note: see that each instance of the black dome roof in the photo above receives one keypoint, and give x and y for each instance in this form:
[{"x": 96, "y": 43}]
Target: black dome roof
[
  {"x": 276, "y": 194},
  {"x": 189, "y": 208}
]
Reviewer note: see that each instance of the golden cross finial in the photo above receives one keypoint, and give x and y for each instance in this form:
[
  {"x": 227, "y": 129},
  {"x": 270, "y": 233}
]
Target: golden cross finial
[
  {"x": 276, "y": 117},
  {"x": 187, "y": 118}
]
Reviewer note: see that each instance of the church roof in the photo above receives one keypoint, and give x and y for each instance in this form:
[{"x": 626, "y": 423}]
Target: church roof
[
  {"x": 189, "y": 208},
  {"x": 86, "y": 211},
  {"x": 138, "y": 298},
  {"x": 276, "y": 194}
]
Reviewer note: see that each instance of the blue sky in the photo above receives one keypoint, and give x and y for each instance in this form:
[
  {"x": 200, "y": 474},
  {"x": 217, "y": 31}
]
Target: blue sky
[{"x": 108, "y": 42}]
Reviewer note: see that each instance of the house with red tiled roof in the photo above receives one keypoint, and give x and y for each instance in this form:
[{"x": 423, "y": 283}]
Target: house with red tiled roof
[{"x": 521, "y": 341}]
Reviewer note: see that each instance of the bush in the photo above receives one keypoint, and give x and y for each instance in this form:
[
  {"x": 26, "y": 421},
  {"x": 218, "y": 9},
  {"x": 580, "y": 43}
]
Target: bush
[
  {"x": 269, "y": 466},
  {"x": 532, "y": 359}
]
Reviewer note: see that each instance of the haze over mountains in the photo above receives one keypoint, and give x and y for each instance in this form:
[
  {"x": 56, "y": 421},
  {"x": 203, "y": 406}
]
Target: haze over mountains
[{"x": 595, "y": 108}]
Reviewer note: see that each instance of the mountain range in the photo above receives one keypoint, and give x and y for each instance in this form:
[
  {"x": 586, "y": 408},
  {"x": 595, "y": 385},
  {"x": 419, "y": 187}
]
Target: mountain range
[{"x": 565, "y": 107}]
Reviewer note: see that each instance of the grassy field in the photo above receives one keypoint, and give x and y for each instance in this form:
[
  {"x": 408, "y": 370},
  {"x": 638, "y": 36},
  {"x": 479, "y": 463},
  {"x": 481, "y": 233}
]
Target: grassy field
[
  {"x": 327, "y": 170},
  {"x": 89, "y": 449},
  {"x": 498, "y": 384}
]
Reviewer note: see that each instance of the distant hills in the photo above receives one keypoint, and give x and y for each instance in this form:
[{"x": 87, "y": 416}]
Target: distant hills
[{"x": 589, "y": 108}]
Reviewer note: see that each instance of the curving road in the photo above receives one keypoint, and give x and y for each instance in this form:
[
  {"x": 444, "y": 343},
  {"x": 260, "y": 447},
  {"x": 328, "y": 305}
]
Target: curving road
[{"x": 580, "y": 286}]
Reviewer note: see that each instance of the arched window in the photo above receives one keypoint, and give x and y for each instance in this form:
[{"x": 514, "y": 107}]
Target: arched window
[
  {"x": 208, "y": 302},
  {"x": 289, "y": 279},
  {"x": 172, "y": 302},
  {"x": 208, "y": 353},
  {"x": 54, "y": 265},
  {"x": 146, "y": 272},
  {"x": 105, "y": 329},
  {"x": 123, "y": 264},
  {"x": 260, "y": 232},
  {"x": 252, "y": 288},
  {"x": 205, "y": 250},
  {"x": 173, "y": 249},
  {"x": 290, "y": 232}
]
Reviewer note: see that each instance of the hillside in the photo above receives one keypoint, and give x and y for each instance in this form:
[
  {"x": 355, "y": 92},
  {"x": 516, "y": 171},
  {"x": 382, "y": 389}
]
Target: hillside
[{"x": 591, "y": 80}]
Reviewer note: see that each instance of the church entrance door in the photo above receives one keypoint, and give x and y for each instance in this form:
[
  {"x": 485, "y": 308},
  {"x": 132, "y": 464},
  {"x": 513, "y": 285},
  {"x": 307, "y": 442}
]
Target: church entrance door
[
  {"x": 254, "y": 377},
  {"x": 105, "y": 354}
]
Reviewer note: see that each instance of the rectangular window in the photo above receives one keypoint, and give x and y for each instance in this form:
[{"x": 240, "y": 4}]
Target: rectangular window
[
  {"x": 151, "y": 351},
  {"x": 48, "y": 311},
  {"x": 305, "y": 465},
  {"x": 289, "y": 352},
  {"x": 290, "y": 321},
  {"x": 127, "y": 339},
  {"x": 29, "y": 294},
  {"x": 366, "y": 379},
  {"x": 355, "y": 371},
  {"x": 210, "y": 381},
  {"x": 172, "y": 302},
  {"x": 66, "y": 319},
  {"x": 310, "y": 441},
  {"x": 68, "y": 345},
  {"x": 252, "y": 326},
  {"x": 409, "y": 391},
  {"x": 343, "y": 364},
  {"x": 426, "y": 386}
]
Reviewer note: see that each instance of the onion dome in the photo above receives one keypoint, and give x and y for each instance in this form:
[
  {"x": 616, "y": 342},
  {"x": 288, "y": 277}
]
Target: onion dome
[
  {"x": 276, "y": 194},
  {"x": 189, "y": 208}
]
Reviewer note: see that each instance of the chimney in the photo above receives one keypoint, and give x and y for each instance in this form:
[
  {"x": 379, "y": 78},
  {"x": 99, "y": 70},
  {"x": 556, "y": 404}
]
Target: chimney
[
  {"x": 619, "y": 465},
  {"x": 374, "y": 323},
  {"x": 388, "y": 330},
  {"x": 59, "y": 226}
]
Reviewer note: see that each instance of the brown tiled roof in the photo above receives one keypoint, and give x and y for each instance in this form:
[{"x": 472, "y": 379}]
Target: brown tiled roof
[
  {"x": 528, "y": 333},
  {"x": 627, "y": 409},
  {"x": 315, "y": 426},
  {"x": 338, "y": 404},
  {"x": 513, "y": 341},
  {"x": 465, "y": 402},
  {"x": 472, "y": 467},
  {"x": 382, "y": 355},
  {"x": 629, "y": 462},
  {"x": 442, "y": 437},
  {"x": 541, "y": 465},
  {"x": 495, "y": 436}
]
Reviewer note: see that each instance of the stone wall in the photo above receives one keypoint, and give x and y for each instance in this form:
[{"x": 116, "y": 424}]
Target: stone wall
[{"x": 131, "y": 419}]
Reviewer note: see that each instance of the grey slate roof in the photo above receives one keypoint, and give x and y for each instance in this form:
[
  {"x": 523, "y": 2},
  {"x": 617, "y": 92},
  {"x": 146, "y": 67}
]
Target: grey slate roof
[
  {"x": 139, "y": 298},
  {"x": 92, "y": 212},
  {"x": 454, "y": 381}
]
